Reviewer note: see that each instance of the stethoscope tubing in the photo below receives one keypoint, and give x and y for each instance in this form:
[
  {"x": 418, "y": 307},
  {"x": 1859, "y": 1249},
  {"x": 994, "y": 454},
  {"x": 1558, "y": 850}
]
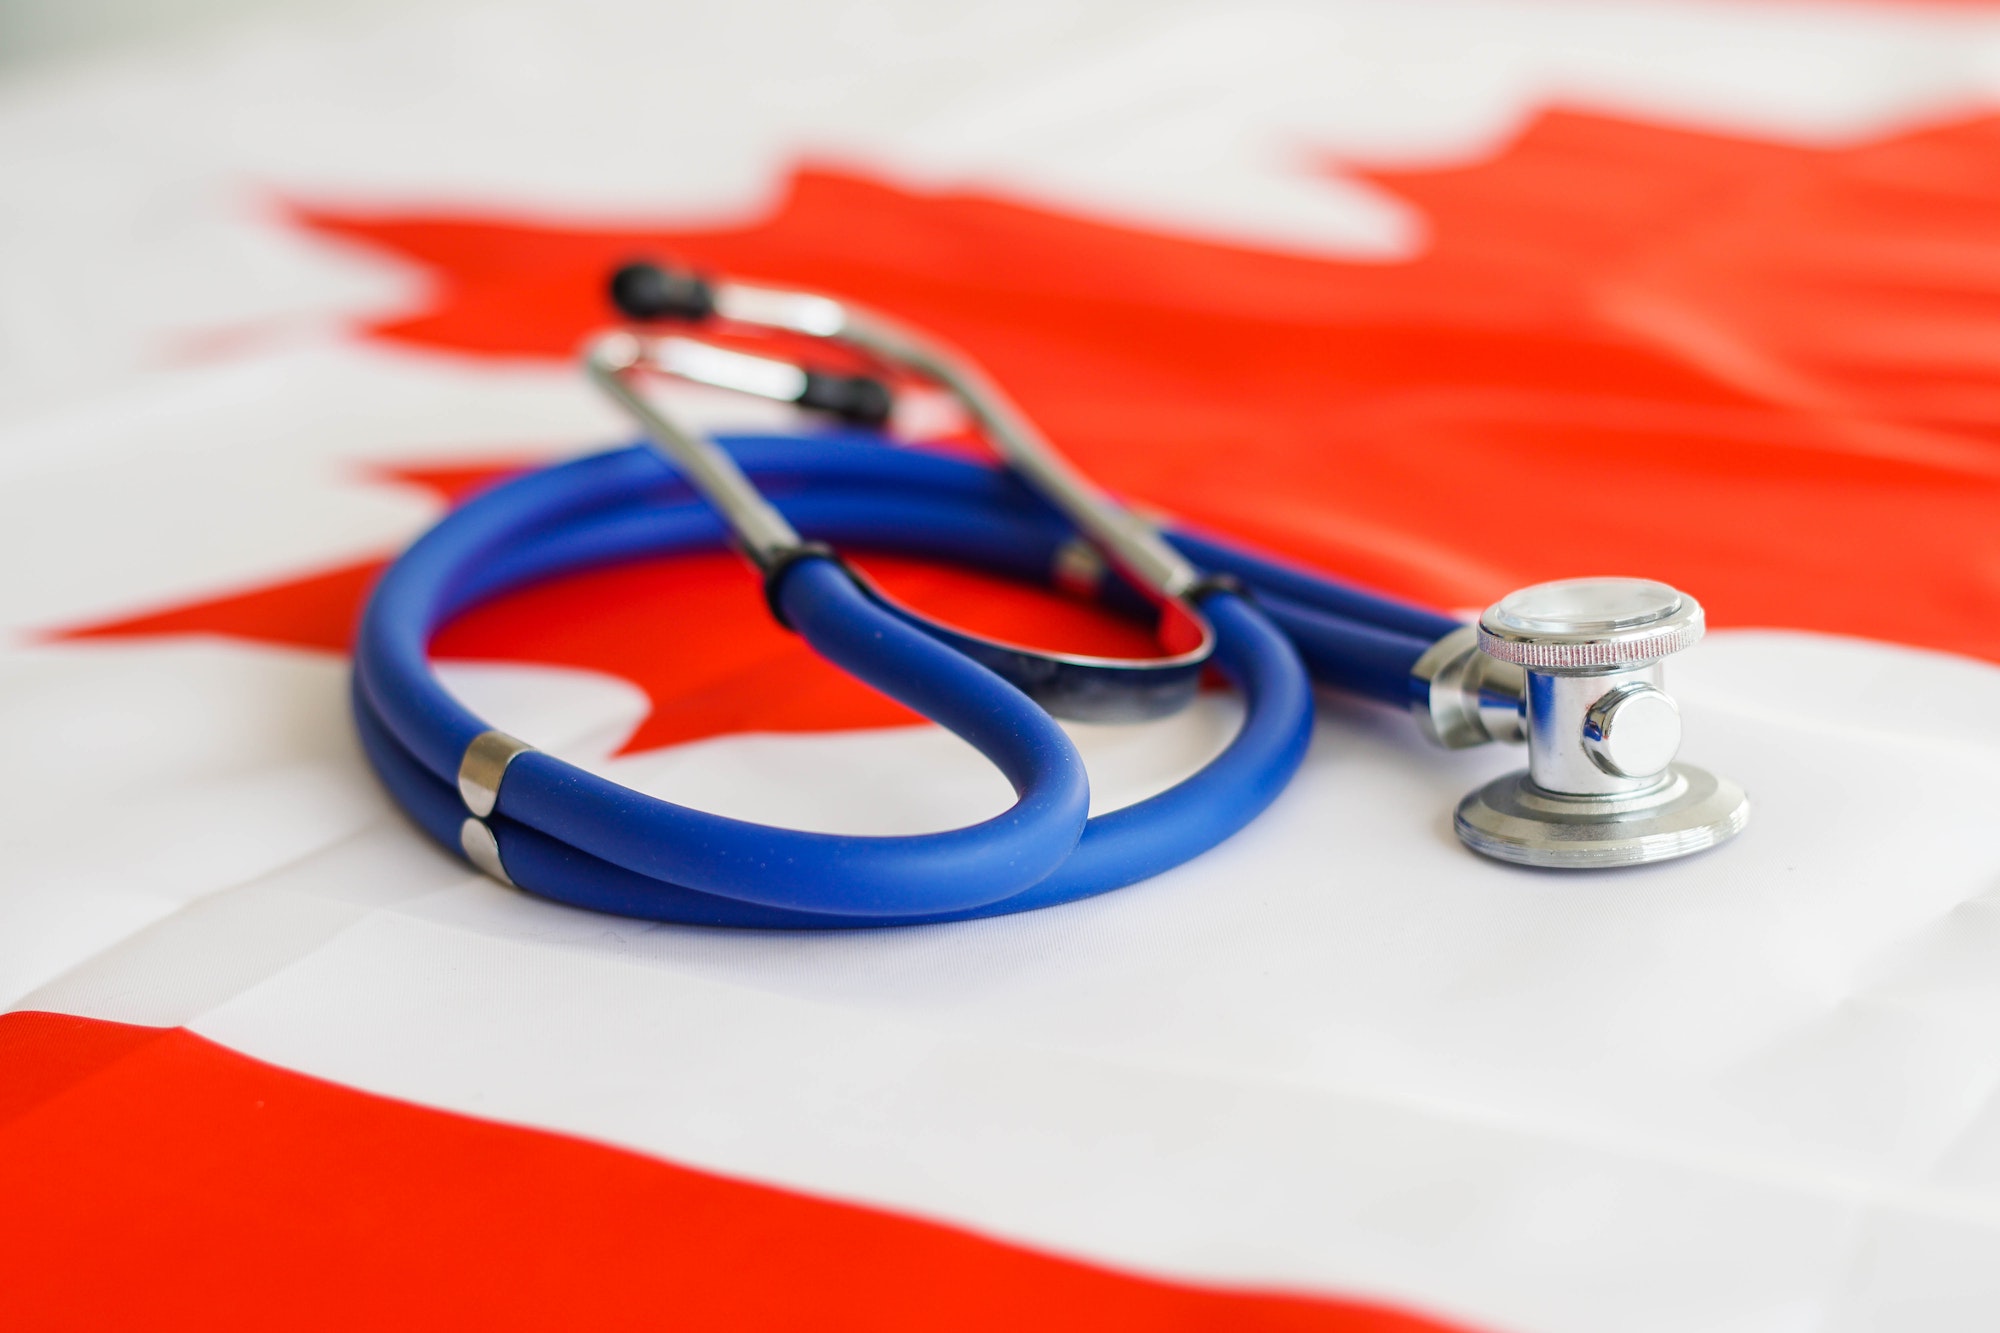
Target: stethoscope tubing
[
  {"x": 1117, "y": 848},
  {"x": 578, "y": 838}
]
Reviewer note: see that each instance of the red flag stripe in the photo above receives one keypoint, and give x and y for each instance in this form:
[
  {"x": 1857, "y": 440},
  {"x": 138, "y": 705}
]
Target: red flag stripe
[{"x": 156, "y": 1180}]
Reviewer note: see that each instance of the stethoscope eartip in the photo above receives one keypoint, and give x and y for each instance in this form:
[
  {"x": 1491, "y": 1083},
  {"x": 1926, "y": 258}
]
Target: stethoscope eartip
[
  {"x": 860, "y": 400},
  {"x": 645, "y": 291}
]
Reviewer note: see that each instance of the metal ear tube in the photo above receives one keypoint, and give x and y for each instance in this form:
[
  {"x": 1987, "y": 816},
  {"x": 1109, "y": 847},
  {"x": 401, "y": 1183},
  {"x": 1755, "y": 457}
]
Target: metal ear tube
[{"x": 1574, "y": 668}]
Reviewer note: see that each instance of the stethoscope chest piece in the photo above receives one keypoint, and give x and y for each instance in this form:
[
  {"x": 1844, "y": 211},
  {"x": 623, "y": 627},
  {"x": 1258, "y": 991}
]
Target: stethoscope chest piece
[{"x": 1601, "y": 788}]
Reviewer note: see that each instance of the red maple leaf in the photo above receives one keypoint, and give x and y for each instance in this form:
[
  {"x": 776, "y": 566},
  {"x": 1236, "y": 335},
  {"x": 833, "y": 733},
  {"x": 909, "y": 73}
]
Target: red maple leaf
[{"x": 1765, "y": 373}]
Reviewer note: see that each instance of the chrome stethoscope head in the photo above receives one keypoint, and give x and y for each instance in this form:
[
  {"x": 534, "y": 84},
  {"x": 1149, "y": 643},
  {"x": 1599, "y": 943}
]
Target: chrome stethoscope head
[
  {"x": 1575, "y": 668},
  {"x": 1110, "y": 538}
]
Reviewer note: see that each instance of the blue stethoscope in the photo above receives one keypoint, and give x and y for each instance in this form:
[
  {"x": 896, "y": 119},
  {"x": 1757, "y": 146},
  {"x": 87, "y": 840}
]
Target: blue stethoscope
[{"x": 788, "y": 502}]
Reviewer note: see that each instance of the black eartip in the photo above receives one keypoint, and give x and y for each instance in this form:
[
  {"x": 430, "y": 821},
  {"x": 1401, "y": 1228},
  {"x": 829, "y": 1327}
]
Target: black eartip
[
  {"x": 857, "y": 398},
  {"x": 644, "y": 291}
]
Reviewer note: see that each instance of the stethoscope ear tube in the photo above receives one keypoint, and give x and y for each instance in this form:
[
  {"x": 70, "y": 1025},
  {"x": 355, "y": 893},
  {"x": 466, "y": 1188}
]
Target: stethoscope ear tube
[{"x": 1067, "y": 685}]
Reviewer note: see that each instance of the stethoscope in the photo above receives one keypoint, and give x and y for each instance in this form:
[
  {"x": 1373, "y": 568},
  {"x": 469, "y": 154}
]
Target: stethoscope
[{"x": 1573, "y": 667}]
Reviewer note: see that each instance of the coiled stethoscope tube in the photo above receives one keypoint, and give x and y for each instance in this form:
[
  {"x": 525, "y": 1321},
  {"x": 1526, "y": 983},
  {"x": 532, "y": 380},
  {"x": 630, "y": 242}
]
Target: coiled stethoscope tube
[{"x": 557, "y": 830}]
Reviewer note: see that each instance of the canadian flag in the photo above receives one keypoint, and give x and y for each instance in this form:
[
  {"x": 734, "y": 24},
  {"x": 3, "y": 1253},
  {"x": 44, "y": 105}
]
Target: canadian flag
[{"x": 1445, "y": 299}]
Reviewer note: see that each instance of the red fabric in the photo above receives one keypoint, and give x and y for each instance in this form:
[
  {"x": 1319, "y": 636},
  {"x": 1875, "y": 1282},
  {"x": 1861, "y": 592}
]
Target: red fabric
[{"x": 155, "y": 1180}]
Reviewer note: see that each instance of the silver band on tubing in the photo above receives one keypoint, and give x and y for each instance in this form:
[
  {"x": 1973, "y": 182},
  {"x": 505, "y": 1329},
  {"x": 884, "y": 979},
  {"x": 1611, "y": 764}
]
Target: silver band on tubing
[
  {"x": 480, "y": 773},
  {"x": 481, "y": 848},
  {"x": 482, "y": 768}
]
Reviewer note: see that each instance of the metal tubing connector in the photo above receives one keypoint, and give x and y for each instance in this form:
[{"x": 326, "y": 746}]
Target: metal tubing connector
[{"x": 1462, "y": 697}]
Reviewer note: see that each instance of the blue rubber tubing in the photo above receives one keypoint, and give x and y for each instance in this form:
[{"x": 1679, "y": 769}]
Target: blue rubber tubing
[
  {"x": 580, "y": 839},
  {"x": 1117, "y": 848},
  {"x": 755, "y": 863}
]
